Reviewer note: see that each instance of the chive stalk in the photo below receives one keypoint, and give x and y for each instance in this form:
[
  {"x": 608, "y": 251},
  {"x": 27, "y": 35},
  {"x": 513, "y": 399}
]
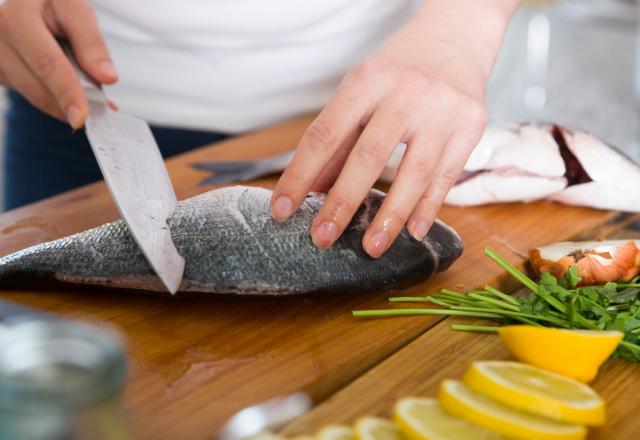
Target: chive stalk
[{"x": 474, "y": 328}]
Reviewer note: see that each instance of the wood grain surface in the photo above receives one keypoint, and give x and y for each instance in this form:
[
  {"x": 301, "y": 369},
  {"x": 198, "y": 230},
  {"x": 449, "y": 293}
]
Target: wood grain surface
[
  {"x": 440, "y": 353},
  {"x": 194, "y": 361}
]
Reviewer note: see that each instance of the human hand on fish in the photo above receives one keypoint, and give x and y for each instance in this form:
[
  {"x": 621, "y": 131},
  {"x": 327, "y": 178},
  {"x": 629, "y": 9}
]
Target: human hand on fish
[{"x": 425, "y": 86}]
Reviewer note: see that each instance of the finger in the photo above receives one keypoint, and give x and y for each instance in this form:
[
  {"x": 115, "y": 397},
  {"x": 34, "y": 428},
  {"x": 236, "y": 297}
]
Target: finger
[
  {"x": 41, "y": 52},
  {"x": 361, "y": 170},
  {"x": 78, "y": 21},
  {"x": 340, "y": 119},
  {"x": 18, "y": 76},
  {"x": 331, "y": 172},
  {"x": 451, "y": 164},
  {"x": 416, "y": 169}
]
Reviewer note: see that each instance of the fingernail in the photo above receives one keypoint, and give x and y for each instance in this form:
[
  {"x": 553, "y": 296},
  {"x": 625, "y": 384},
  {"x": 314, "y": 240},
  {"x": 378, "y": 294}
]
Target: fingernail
[
  {"x": 74, "y": 116},
  {"x": 282, "y": 208},
  {"x": 419, "y": 229},
  {"x": 325, "y": 234},
  {"x": 106, "y": 67},
  {"x": 378, "y": 243}
]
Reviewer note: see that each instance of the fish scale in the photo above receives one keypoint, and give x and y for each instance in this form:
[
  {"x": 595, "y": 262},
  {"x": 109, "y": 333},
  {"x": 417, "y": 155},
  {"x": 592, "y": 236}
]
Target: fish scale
[{"x": 232, "y": 245}]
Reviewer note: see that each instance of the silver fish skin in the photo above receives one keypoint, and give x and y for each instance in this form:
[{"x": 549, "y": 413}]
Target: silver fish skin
[{"x": 232, "y": 245}]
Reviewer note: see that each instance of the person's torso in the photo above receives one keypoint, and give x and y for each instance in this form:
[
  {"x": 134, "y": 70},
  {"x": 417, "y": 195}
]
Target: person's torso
[{"x": 233, "y": 65}]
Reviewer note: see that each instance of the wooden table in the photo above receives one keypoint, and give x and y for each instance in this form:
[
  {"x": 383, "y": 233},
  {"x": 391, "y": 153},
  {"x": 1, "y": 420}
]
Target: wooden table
[{"x": 195, "y": 361}]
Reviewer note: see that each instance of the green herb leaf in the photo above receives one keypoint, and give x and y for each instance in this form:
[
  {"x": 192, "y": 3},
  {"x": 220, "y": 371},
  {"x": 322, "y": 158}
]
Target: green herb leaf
[{"x": 551, "y": 302}]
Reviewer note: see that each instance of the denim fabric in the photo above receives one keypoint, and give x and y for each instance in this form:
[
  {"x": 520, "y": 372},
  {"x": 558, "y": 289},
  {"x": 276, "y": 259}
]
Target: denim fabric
[{"x": 44, "y": 156}]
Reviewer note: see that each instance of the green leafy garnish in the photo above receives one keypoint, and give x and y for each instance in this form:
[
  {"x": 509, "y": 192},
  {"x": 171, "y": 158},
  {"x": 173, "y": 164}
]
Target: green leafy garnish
[{"x": 550, "y": 303}]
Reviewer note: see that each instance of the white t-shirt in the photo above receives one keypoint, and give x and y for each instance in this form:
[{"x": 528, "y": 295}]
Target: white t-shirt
[{"x": 235, "y": 65}]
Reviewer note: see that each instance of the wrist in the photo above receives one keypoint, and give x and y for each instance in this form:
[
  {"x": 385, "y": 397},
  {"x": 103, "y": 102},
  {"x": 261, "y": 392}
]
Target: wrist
[
  {"x": 503, "y": 8},
  {"x": 474, "y": 28}
]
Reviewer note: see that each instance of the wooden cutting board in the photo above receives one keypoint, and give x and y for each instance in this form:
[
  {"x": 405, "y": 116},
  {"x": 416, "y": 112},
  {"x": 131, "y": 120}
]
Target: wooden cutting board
[{"x": 195, "y": 361}]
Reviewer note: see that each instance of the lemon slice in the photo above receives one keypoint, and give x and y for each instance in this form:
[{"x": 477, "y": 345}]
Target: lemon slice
[
  {"x": 424, "y": 419},
  {"x": 574, "y": 353},
  {"x": 537, "y": 391},
  {"x": 463, "y": 402},
  {"x": 375, "y": 428},
  {"x": 335, "y": 432}
]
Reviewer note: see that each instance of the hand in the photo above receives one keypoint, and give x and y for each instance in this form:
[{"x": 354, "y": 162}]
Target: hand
[
  {"x": 32, "y": 62},
  {"x": 425, "y": 87}
]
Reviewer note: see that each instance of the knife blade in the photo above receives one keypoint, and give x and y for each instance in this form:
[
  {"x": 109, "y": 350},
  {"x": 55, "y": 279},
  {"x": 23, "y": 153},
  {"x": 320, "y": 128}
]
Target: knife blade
[{"x": 136, "y": 176}]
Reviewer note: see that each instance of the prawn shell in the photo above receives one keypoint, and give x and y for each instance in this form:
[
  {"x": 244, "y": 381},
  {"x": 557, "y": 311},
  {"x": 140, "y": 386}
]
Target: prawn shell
[{"x": 597, "y": 262}]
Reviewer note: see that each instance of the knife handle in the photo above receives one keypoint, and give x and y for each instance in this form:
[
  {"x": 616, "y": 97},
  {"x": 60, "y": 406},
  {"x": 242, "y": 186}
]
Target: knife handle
[{"x": 92, "y": 88}]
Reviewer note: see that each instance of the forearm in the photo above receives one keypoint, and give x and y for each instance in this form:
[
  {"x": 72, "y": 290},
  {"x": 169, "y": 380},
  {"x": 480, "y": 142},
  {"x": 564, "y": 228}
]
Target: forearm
[{"x": 475, "y": 28}]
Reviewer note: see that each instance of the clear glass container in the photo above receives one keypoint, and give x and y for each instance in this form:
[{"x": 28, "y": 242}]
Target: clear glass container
[{"x": 60, "y": 380}]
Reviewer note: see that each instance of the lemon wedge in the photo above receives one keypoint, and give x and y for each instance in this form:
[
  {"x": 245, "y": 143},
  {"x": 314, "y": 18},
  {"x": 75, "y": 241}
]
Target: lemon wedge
[
  {"x": 574, "y": 353},
  {"x": 465, "y": 403},
  {"x": 375, "y": 428},
  {"x": 537, "y": 391},
  {"x": 335, "y": 432},
  {"x": 424, "y": 419}
]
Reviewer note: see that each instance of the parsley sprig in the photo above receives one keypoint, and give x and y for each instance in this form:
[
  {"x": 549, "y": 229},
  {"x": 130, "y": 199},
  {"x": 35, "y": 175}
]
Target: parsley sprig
[{"x": 549, "y": 303}]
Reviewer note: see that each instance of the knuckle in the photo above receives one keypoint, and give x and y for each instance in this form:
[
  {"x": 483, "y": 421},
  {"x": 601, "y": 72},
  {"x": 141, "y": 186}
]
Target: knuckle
[
  {"x": 396, "y": 216},
  {"x": 365, "y": 71},
  {"x": 475, "y": 112},
  {"x": 443, "y": 94},
  {"x": 401, "y": 115},
  {"x": 44, "y": 64},
  {"x": 447, "y": 179},
  {"x": 319, "y": 137},
  {"x": 420, "y": 169},
  {"x": 478, "y": 115},
  {"x": 38, "y": 96},
  {"x": 427, "y": 205},
  {"x": 293, "y": 179},
  {"x": 339, "y": 204},
  {"x": 372, "y": 155},
  {"x": 414, "y": 77}
]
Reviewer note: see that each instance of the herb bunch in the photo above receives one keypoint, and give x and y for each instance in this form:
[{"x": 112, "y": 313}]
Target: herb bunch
[{"x": 550, "y": 303}]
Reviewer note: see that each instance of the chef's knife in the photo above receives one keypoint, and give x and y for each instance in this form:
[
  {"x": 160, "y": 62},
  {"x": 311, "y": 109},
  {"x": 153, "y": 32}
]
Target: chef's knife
[{"x": 136, "y": 176}]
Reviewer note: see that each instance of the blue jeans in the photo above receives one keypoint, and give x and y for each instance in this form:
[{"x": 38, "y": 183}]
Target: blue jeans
[{"x": 44, "y": 156}]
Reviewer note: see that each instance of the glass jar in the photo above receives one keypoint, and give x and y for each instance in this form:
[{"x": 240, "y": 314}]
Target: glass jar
[{"x": 59, "y": 380}]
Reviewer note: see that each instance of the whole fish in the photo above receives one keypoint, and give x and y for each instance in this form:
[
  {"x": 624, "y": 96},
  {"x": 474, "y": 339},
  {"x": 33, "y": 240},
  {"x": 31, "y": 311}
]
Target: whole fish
[
  {"x": 511, "y": 163},
  {"x": 231, "y": 244}
]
